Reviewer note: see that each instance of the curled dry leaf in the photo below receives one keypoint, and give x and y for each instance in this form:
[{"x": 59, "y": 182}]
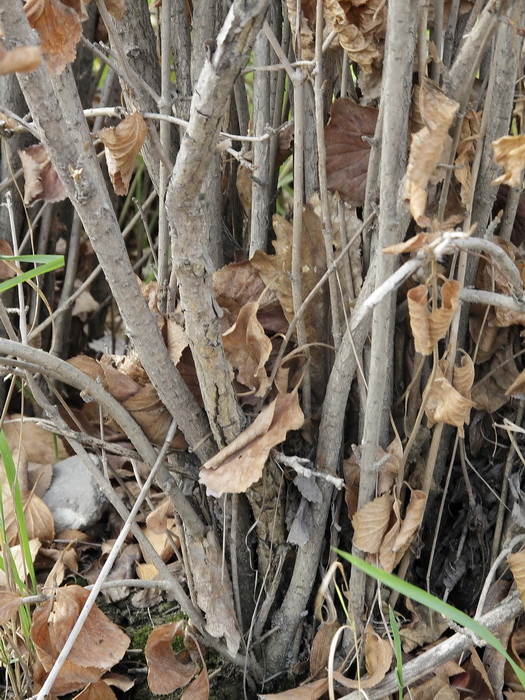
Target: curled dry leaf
[
  {"x": 21, "y": 59},
  {"x": 309, "y": 691},
  {"x": 99, "y": 646},
  {"x": 426, "y": 149},
  {"x": 321, "y": 647},
  {"x": 38, "y": 519},
  {"x": 428, "y": 328},
  {"x": 347, "y": 152},
  {"x": 9, "y": 604},
  {"x": 470, "y": 127},
  {"x": 417, "y": 242},
  {"x": 199, "y": 688},
  {"x": 214, "y": 590},
  {"x": 306, "y": 39},
  {"x": 517, "y": 566},
  {"x": 18, "y": 559},
  {"x": 40, "y": 176},
  {"x": 509, "y": 152},
  {"x": 6, "y": 271},
  {"x": 394, "y": 547},
  {"x": 167, "y": 670},
  {"x": 240, "y": 464},
  {"x": 378, "y": 657},
  {"x": 446, "y": 405},
  {"x": 248, "y": 348},
  {"x": 59, "y": 28},
  {"x": 370, "y": 523},
  {"x": 96, "y": 691},
  {"x": 122, "y": 144},
  {"x": 361, "y": 28}
]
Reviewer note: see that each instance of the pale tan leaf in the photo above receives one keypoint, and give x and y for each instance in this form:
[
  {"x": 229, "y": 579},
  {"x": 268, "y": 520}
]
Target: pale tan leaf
[
  {"x": 147, "y": 572},
  {"x": 18, "y": 560},
  {"x": 306, "y": 37},
  {"x": 378, "y": 657},
  {"x": 248, "y": 348},
  {"x": 59, "y": 28},
  {"x": 429, "y": 328},
  {"x": 387, "y": 556},
  {"x": 426, "y": 626},
  {"x": 96, "y": 691},
  {"x": 214, "y": 590},
  {"x": 426, "y": 149},
  {"x": 157, "y": 520},
  {"x": 463, "y": 377},
  {"x": 9, "y": 604},
  {"x": 123, "y": 144},
  {"x": 167, "y": 670},
  {"x": 393, "y": 548},
  {"x": 39, "y": 521},
  {"x": 240, "y": 464},
  {"x": 41, "y": 179},
  {"x": 509, "y": 152},
  {"x": 417, "y": 298},
  {"x": 21, "y": 59},
  {"x": 446, "y": 405},
  {"x": 517, "y": 388},
  {"x": 309, "y": 691},
  {"x": 435, "y": 688},
  {"x": 371, "y": 522},
  {"x": 470, "y": 128},
  {"x": 516, "y": 562},
  {"x": 417, "y": 242},
  {"x": 177, "y": 340},
  {"x": 163, "y": 542},
  {"x": 116, "y": 8}
]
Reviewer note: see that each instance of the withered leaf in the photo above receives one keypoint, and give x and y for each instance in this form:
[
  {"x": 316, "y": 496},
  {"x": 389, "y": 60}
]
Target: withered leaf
[
  {"x": 509, "y": 152},
  {"x": 428, "y": 328},
  {"x": 240, "y": 464},
  {"x": 9, "y": 604},
  {"x": 122, "y": 144},
  {"x": 392, "y": 549},
  {"x": 371, "y": 522},
  {"x": 426, "y": 150},
  {"x": 446, "y": 405},
  {"x": 18, "y": 560},
  {"x": 167, "y": 670},
  {"x": 6, "y": 271},
  {"x": 99, "y": 646},
  {"x": 40, "y": 176},
  {"x": 378, "y": 657},
  {"x": 96, "y": 691},
  {"x": 199, "y": 688},
  {"x": 248, "y": 348},
  {"x": 516, "y": 562},
  {"x": 21, "y": 59},
  {"x": 347, "y": 152},
  {"x": 321, "y": 647},
  {"x": 38, "y": 519},
  {"x": 312, "y": 690},
  {"x": 361, "y": 28},
  {"x": 59, "y": 28}
]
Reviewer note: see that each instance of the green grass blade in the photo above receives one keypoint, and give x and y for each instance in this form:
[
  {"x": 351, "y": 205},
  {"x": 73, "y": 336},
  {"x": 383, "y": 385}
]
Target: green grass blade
[
  {"x": 14, "y": 486},
  {"x": 397, "y": 649},
  {"x": 448, "y": 611},
  {"x": 46, "y": 263}
]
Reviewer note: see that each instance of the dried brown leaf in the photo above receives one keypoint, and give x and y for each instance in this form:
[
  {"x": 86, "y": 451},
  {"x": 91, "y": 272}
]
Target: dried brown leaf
[
  {"x": 426, "y": 150},
  {"x": 470, "y": 128},
  {"x": 38, "y": 519},
  {"x": 9, "y": 604},
  {"x": 21, "y": 59},
  {"x": 240, "y": 464},
  {"x": 240, "y": 283},
  {"x": 516, "y": 562},
  {"x": 6, "y": 271},
  {"x": 509, "y": 152},
  {"x": 96, "y": 691},
  {"x": 371, "y": 522},
  {"x": 122, "y": 144},
  {"x": 347, "y": 152},
  {"x": 321, "y": 647},
  {"x": 446, "y": 405},
  {"x": 378, "y": 657},
  {"x": 417, "y": 242},
  {"x": 309, "y": 691},
  {"x": 18, "y": 560},
  {"x": 99, "y": 646},
  {"x": 116, "y": 8},
  {"x": 41, "y": 179},
  {"x": 214, "y": 590},
  {"x": 399, "y": 538},
  {"x": 361, "y": 28},
  {"x": 157, "y": 520},
  {"x": 59, "y": 28},
  {"x": 248, "y": 348},
  {"x": 199, "y": 688},
  {"x": 163, "y": 542},
  {"x": 429, "y": 328},
  {"x": 463, "y": 376},
  {"x": 167, "y": 670}
]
